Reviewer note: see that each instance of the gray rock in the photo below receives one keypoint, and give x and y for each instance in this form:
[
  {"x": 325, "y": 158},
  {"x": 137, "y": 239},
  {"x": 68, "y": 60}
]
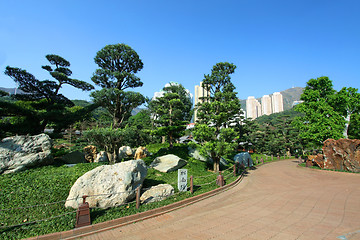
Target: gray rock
[
  {"x": 74, "y": 158},
  {"x": 101, "y": 157},
  {"x": 112, "y": 185},
  {"x": 168, "y": 163},
  {"x": 21, "y": 152},
  {"x": 125, "y": 152},
  {"x": 244, "y": 158},
  {"x": 196, "y": 154},
  {"x": 157, "y": 193}
]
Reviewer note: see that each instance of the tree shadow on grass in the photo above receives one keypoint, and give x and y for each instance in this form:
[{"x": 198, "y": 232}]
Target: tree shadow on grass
[{"x": 152, "y": 182}]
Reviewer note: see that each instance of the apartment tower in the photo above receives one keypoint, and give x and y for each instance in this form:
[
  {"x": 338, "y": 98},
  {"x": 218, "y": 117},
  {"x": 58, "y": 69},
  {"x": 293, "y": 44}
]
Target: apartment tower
[
  {"x": 277, "y": 102},
  {"x": 253, "y": 108},
  {"x": 266, "y": 105},
  {"x": 199, "y": 92}
]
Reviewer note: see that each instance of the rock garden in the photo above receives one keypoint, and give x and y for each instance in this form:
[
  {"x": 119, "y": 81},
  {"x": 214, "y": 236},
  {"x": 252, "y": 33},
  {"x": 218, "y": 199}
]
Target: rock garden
[{"x": 42, "y": 183}]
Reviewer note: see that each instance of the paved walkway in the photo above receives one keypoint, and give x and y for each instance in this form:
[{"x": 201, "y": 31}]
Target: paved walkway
[{"x": 275, "y": 201}]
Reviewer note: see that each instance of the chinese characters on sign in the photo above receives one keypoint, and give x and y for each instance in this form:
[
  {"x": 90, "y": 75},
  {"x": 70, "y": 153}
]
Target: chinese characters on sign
[{"x": 182, "y": 180}]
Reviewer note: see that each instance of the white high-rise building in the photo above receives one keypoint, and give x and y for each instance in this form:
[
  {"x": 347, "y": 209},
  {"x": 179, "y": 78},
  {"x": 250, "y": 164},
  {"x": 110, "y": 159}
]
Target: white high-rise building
[
  {"x": 266, "y": 105},
  {"x": 253, "y": 108},
  {"x": 199, "y": 92},
  {"x": 277, "y": 102}
]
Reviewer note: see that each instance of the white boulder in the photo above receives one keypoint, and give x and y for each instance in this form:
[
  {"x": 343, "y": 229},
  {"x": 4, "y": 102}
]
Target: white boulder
[
  {"x": 108, "y": 185},
  {"x": 157, "y": 193},
  {"x": 21, "y": 152},
  {"x": 124, "y": 152},
  {"x": 168, "y": 163}
]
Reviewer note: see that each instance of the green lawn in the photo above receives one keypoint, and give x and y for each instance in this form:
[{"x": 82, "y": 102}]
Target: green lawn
[{"x": 51, "y": 184}]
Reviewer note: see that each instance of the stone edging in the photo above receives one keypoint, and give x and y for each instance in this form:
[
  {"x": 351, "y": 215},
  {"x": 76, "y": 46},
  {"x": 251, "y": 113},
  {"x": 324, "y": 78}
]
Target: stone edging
[
  {"x": 104, "y": 226},
  {"x": 324, "y": 170}
]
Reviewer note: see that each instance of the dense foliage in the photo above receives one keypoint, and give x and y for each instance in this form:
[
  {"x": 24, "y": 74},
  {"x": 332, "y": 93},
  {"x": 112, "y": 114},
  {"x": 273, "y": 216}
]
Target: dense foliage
[
  {"x": 274, "y": 134},
  {"x": 40, "y": 104},
  {"x": 217, "y": 112},
  {"x": 326, "y": 112},
  {"x": 118, "y": 65},
  {"x": 171, "y": 112}
]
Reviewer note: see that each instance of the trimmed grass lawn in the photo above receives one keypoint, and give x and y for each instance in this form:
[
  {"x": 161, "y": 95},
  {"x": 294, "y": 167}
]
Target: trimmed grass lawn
[{"x": 34, "y": 199}]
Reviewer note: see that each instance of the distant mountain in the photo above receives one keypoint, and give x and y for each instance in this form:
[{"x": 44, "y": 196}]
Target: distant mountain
[
  {"x": 289, "y": 96},
  {"x": 11, "y": 90}
]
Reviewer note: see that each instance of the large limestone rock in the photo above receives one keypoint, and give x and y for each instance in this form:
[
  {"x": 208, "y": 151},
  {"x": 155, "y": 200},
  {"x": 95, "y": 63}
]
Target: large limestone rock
[
  {"x": 112, "y": 185},
  {"x": 342, "y": 154},
  {"x": 74, "y": 158},
  {"x": 141, "y": 152},
  {"x": 125, "y": 152},
  {"x": 157, "y": 193},
  {"x": 168, "y": 163},
  {"x": 21, "y": 152}
]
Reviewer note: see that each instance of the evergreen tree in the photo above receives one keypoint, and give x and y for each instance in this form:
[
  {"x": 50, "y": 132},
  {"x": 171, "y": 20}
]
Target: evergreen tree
[
  {"x": 217, "y": 114},
  {"x": 171, "y": 112},
  {"x": 118, "y": 65},
  {"x": 41, "y": 103}
]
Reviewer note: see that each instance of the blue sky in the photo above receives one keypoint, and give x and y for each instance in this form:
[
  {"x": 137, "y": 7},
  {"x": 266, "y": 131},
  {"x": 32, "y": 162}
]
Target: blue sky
[{"x": 274, "y": 44}]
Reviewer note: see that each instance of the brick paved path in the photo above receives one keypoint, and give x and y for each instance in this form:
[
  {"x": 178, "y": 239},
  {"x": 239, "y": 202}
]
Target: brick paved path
[{"x": 275, "y": 201}]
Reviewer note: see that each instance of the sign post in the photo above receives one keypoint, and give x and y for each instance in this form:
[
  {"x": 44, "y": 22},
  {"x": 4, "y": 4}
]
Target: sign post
[{"x": 182, "y": 180}]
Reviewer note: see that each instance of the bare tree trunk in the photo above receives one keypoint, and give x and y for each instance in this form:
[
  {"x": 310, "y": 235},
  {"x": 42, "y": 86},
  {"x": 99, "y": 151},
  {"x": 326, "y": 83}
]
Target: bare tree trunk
[
  {"x": 216, "y": 162},
  {"x": 347, "y": 122},
  {"x": 170, "y": 141},
  {"x": 112, "y": 156}
]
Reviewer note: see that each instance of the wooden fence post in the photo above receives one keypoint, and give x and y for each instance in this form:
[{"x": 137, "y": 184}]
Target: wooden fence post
[
  {"x": 83, "y": 214},
  {"x": 138, "y": 198},
  {"x": 220, "y": 180},
  {"x": 191, "y": 184}
]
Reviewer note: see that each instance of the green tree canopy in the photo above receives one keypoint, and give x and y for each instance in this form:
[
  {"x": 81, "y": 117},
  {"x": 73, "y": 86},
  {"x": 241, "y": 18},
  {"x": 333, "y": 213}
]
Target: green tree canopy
[
  {"x": 172, "y": 111},
  {"x": 320, "y": 120},
  {"x": 347, "y": 103},
  {"x": 41, "y": 103},
  {"x": 217, "y": 114},
  {"x": 118, "y": 65}
]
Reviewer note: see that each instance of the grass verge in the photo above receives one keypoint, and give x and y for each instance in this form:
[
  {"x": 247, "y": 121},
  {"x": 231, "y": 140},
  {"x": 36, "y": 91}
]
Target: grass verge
[{"x": 46, "y": 188}]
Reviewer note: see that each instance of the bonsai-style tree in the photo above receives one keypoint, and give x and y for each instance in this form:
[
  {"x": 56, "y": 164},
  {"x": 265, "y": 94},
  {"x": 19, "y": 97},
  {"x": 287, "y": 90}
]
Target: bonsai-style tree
[
  {"x": 118, "y": 65},
  {"x": 217, "y": 113},
  {"x": 171, "y": 112},
  {"x": 40, "y": 102}
]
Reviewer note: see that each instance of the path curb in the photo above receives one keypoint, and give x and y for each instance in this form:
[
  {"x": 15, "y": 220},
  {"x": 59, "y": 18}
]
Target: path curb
[{"x": 104, "y": 226}]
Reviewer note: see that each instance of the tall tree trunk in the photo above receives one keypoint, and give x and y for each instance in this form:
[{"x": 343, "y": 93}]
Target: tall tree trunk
[
  {"x": 346, "y": 128},
  {"x": 170, "y": 141},
  {"x": 216, "y": 162}
]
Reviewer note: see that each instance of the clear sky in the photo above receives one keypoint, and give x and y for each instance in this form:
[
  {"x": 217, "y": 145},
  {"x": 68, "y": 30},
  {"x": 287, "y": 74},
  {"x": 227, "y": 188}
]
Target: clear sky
[{"x": 274, "y": 44}]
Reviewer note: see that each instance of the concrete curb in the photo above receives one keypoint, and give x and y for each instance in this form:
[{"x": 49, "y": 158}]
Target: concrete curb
[{"x": 104, "y": 226}]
